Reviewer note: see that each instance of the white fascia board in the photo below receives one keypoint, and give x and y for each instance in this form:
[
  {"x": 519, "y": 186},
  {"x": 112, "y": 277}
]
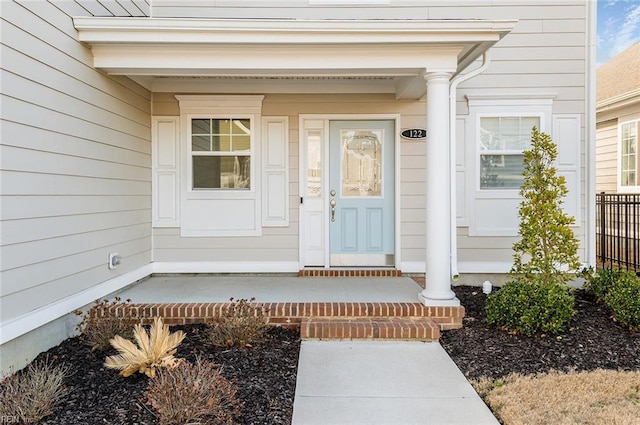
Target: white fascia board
[
  {"x": 96, "y": 30},
  {"x": 253, "y": 60}
]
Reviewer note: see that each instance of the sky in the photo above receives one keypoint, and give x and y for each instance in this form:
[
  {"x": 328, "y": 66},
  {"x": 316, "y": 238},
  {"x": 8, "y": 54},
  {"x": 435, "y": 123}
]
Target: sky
[{"x": 618, "y": 27}]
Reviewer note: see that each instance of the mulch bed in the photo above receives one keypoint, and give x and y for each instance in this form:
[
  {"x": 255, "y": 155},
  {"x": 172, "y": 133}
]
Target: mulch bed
[
  {"x": 593, "y": 341},
  {"x": 265, "y": 375}
]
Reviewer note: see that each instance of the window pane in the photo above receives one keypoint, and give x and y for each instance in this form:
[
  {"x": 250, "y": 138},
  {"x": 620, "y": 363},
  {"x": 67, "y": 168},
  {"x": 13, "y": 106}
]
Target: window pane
[
  {"x": 314, "y": 164},
  {"x": 506, "y": 133},
  {"x": 221, "y": 126},
  {"x": 361, "y": 163},
  {"x": 221, "y": 143},
  {"x": 200, "y": 143},
  {"x": 528, "y": 123},
  {"x": 221, "y": 172},
  {"x": 501, "y": 171},
  {"x": 510, "y": 126},
  {"x": 201, "y": 126},
  {"x": 241, "y": 143},
  {"x": 241, "y": 127}
]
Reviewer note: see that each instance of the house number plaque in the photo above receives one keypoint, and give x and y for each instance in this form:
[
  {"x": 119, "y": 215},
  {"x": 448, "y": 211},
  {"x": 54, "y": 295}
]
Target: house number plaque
[{"x": 414, "y": 133}]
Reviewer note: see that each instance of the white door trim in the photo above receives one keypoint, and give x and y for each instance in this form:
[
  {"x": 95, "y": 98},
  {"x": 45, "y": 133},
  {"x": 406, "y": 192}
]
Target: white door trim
[{"x": 325, "y": 176}]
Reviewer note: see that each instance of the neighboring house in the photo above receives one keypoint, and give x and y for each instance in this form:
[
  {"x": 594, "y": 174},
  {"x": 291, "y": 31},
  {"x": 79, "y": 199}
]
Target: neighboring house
[
  {"x": 252, "y": 136},
  {"x": 618, "y": 123}
]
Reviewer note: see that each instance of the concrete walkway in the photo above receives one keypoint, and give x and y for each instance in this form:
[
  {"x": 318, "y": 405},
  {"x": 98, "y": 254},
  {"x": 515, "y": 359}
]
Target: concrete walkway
[
  {"x": 380, "y": 382},
  {"x": 346, "y": 382}
]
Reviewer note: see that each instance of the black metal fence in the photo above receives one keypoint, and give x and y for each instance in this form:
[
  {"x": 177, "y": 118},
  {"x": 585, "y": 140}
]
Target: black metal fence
[{"x": 618, "y": 230}]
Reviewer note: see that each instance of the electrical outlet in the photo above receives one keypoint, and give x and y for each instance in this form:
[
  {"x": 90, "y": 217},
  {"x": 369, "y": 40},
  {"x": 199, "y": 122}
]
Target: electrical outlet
[{"x": 114, "y": 260}]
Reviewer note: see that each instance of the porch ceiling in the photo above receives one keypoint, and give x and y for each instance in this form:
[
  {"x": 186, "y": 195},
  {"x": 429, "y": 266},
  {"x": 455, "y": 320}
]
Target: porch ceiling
[{"x": 287, "y": 56}]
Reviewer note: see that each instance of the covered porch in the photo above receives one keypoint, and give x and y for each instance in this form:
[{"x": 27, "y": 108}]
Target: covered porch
[{"x": 408, "y": 59}]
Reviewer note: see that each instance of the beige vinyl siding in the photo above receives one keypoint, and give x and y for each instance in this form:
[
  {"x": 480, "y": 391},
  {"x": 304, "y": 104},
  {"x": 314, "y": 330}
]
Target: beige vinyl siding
[
  {"x": 75, "y": 161},
  {"x": 607, "y": 156},
  {"x": 105, "y": 8},
  {"x": 282, "y": 244},
  {"x": 397, "y": 9},
  {"x": 544, "y": 55},
  {"x": 607, "y": 144}
]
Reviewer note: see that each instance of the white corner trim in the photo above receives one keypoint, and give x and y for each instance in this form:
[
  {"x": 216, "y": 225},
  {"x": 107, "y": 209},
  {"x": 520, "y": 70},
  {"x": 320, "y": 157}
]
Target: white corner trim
[
  {"x": 227, "y": 267},
  {"x": 34, "y": 319}
]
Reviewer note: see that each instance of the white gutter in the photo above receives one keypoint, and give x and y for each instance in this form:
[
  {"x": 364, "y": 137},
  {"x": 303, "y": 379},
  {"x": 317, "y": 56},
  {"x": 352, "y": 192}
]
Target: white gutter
[{"x": 486, "y": 60}]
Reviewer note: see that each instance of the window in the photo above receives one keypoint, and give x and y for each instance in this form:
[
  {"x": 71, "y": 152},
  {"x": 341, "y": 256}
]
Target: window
[
  {"x": 220, "y": 156},
  {"x": 498, "y": 131},
  {"x": 629, "y": 154},
  {"x": 502, "y": 140},
  {"x": 221, "y": 153}
]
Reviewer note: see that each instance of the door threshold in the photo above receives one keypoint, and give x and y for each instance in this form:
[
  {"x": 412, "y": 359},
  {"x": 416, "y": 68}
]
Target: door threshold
[{"x": 350, "y": 272}]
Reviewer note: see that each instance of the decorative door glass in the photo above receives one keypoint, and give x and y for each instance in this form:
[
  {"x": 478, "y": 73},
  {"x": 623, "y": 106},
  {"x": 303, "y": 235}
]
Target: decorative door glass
[
  {"x": 314, "y": 164},
  {"x": 361, "y": 163}
]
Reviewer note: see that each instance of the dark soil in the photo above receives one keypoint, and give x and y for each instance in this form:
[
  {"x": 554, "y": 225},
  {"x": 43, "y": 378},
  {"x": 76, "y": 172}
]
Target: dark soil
[
  {"x": 593, "y": 341},
  {"x": 265, "y": 375}
]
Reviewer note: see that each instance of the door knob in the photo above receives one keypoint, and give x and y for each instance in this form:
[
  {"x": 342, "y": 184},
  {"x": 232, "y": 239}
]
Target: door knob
[{"x": 333, "y": 209}]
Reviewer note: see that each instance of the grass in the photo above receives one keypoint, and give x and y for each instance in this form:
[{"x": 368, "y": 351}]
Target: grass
[{"x": 589, "y": 398}]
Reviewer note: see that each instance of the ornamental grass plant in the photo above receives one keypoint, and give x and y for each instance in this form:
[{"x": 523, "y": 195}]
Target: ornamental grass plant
[{"x": 32, "y": 393}]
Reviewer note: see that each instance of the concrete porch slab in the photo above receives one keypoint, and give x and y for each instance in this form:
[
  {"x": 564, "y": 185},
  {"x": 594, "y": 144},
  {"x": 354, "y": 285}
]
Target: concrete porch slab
[{"x": 271, "y": 288}]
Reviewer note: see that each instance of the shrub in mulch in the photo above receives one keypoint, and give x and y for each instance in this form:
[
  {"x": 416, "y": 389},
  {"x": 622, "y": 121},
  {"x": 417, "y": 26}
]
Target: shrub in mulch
[
  {"x": 100, "y": 323},
  {"x": 241, "y": 324},
  {"x": 32, "y": 393},
  {"x": 193, "y": 393}
]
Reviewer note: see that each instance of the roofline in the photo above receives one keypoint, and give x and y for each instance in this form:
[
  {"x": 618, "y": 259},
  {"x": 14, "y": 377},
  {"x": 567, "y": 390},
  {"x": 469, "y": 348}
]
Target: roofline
[
  {"x": 619, "y": 101},
  {"x": 139, "y": 30}
]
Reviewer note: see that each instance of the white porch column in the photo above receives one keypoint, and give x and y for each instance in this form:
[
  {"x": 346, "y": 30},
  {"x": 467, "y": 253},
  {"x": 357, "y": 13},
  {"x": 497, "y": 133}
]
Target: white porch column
[{"x": 438, "y": 207}]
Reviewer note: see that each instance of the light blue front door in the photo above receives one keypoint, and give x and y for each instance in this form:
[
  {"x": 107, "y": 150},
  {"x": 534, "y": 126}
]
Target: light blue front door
[{"x": 361, "y": 193}]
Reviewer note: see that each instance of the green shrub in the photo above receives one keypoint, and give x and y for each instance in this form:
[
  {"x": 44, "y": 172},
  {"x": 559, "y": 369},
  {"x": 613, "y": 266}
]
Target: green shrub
[
  {"x": 32, "y": 393},
  {"x": 240, "y": 325},
  {"x": 528, "y": 307},
  {"x": 599, "y": 282},
  {"x": 193, "y": 393},
  {"x": 101, "y": 323},
  {"x": 623, "y": 298}
]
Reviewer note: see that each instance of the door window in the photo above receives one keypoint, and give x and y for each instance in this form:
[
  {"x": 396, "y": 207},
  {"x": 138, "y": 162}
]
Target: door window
[{"x": 361, "y": 163}]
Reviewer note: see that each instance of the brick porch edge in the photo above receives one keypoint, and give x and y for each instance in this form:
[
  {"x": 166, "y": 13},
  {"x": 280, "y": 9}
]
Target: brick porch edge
[{"x": 292, "y": 314}]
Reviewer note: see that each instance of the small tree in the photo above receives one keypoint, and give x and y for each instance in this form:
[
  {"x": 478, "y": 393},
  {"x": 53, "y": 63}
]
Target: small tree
[
  {"x": 537, "y": 299},
  {"x": 548, "y": 249}
]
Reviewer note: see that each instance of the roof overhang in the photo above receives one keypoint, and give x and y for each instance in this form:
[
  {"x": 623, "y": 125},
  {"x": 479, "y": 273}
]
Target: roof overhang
[
  {"x": 618, "y": 102},
  {"x": 368, "y": 55}
]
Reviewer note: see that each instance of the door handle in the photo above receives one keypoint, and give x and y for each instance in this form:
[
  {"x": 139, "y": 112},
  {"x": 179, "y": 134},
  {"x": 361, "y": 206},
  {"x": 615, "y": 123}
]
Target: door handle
[{"x": 333, "y": 209}]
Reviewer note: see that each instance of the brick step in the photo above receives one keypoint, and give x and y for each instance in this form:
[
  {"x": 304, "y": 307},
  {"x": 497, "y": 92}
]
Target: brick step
[
  {"x": 349, "y": 272},
  {"x": 374, "y": 328},
  {"x": 293, "y": 314}
]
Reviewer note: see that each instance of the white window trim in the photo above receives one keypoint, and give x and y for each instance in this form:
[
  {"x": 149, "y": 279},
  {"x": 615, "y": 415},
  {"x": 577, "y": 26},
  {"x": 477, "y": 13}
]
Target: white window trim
[
  {"x": 498, "y": 105},
  {"x": 498, "y": 193},
  {"x": 221, "y": 193},
  {"x": 224, "y": 106},
  {"x": 620, "y": 187}
]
